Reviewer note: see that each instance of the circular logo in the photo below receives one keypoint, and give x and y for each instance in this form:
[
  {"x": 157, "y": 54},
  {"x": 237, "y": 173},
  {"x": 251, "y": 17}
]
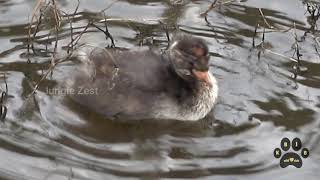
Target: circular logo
[
  {"x": 304, "y": 152},
  {"x": 277, "y": 153},
  {"x": 296, "y": 144},
  {"x": 285, "y": 144}
]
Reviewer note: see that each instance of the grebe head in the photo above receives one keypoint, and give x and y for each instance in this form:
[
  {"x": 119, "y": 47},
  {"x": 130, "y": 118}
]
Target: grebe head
[{"x": 189, "y": 56}]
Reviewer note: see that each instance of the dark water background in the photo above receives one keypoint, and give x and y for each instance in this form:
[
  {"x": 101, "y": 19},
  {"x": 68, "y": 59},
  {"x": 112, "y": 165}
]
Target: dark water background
[{"x": 259, "y": 102}]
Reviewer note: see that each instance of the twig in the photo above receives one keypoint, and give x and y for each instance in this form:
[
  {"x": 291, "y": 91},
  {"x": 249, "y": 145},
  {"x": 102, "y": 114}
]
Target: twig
[
  {"x": 107, "y": 33},
  {"x": 255, "y": 33},
  {"x": 36, "y": 30},
  {"x": 57, "y": 26},
  {"x": 56, "y": 13},
  {"x": 263, "y": 35},
  {"x": 34, "y": 14},
  {"x": 57, "y": 21},
  {"x": 264, "y": 19},
  {"x": 297, "y": 48},
  {"x": 71, "y": 28},
  {"x": 53, "y": 63},
  {"x": 213, "y": 5},
  {"x": 296, "y": 67},
  {"x": 76, "y": 10},
  {"x": 312, "y": 9},
  {"x": 77, "y": 38},
  {"x": 134, "y": 20},
  {"x": 36, "y": 87},
  {"x": 281, "y": 55},
  {"x": 166, "y": 29},
  {"x": 71, "y": 35},
  {"x": 109, "y": 6}
]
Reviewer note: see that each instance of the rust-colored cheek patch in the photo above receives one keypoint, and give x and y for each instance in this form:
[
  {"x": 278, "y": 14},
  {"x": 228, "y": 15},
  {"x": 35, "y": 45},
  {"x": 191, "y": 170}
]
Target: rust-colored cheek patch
[{"x": 198, "y": 51}]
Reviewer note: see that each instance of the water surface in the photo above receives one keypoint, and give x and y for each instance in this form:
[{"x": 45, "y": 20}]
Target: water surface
[{"x": 50, "y": 137}]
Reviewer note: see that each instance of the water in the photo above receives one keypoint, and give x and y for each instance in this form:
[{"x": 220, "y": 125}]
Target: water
[{"x": 49, "y": 137}]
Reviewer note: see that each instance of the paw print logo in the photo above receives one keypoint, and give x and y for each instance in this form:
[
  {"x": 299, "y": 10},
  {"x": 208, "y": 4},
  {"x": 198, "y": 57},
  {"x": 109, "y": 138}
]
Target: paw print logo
[{"x": 291, "y": 158}]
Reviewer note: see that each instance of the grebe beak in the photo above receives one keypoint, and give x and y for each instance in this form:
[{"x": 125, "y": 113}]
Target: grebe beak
[{"x": 202, "y": 76}]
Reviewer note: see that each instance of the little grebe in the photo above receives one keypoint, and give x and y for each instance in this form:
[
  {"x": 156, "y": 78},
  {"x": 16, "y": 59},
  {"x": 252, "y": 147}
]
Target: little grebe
[{"x": 123, "y": 84}]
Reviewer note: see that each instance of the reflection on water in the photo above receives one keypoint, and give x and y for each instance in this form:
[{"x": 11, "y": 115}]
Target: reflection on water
[{"x": 50, "y": 137}]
